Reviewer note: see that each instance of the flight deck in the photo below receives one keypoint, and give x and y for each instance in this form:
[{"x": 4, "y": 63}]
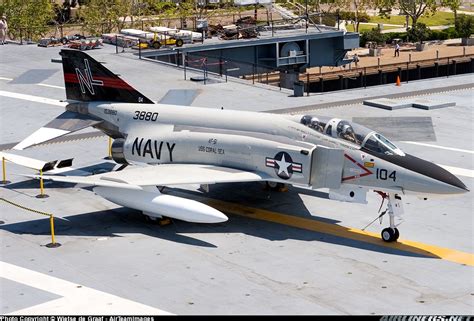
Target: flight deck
[{"x": 280, "y": 252}]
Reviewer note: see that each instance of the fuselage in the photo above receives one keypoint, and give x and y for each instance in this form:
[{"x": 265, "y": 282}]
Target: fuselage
[{"x": 278, "y": 145}]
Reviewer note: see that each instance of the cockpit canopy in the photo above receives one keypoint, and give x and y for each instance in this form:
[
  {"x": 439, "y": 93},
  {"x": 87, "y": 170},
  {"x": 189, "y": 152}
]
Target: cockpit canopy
[{"x": 353, "y": 133}]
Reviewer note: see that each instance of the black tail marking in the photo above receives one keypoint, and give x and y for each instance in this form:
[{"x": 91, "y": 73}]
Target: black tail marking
[{"x": 88, "y": 80}]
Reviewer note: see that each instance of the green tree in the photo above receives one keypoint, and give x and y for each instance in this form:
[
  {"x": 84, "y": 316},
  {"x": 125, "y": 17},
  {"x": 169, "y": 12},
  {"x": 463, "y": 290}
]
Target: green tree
[
  {"x": 465, "y": 26},
  {"x": 101, "y": 16},
  {"x": 323, "y": 5},
  {"x": 28, "y": 17},
  {"x": 358, "y": 7},
  {"x": 185, "y": 9},
  {"x": 162, "y": 9},
  {"x": 412, "y": 8},
  {"x": 158, "y": 7},
  {"x": 326, "y": 10},
  {"x": 419, "y": 32},
  {"x": 453, "y": 5},
  {"x": 234, "y": 10}
]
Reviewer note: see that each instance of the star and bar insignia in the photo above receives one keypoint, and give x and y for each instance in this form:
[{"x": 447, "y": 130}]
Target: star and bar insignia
[{"x": 283, "y": 165}]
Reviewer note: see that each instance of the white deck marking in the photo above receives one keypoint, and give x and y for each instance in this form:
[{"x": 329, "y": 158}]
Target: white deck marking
[
  {"x": 51, "y": 86},
  {"x": 458, "y": 171},
  {"x": 441, "y": 147},
  {"x": 43, "y": 85},
  {"x": 37, "y": 99},
  {"x": 75, "y": 300}
]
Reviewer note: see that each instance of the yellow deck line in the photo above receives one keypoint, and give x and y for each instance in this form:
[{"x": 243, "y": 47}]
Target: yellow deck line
[{"x": 344, "y": 232}]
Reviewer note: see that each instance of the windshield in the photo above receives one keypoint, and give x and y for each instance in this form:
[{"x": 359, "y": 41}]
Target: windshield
[{"x": 379, "y": 144}]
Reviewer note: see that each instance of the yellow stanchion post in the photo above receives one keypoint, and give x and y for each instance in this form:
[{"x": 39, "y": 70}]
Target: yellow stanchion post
[
  {"x": 51, "y": 220},
  {"x": 109, "y": 156},
  {"x": 42, "y": 194},
  {"x": 4, "y": 171},
  {"x": 53, "y": 241}
]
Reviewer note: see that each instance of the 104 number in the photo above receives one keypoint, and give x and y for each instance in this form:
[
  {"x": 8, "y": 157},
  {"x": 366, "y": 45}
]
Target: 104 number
[{"x": 383, "y": 175}]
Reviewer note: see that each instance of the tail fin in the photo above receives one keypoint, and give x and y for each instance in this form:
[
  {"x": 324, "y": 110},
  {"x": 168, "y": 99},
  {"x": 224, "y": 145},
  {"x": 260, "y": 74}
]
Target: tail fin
[{"x": 88, "y": 80}]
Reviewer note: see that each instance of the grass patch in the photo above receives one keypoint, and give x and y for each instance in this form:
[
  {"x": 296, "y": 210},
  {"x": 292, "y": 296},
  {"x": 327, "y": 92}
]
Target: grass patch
[
  {"x": 363, "y": 27},
  {"x": 438, "y": 19}
]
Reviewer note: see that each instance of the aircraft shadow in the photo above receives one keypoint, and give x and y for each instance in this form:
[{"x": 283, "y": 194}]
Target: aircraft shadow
[
  {"x": 251, "y": 195},
  {"x": 111, "y": 223},
  {"x": 34, "y": 183}
]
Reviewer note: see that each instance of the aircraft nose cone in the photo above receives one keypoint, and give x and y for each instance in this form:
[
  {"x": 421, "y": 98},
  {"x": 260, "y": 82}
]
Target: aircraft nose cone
[
  {"x": 437, "y": 173},
  {"x": 440, "y": 181}
]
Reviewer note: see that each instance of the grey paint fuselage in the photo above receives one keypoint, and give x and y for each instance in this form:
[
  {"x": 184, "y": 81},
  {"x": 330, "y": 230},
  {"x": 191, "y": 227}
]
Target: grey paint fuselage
[{"x": 250, "y": 141}]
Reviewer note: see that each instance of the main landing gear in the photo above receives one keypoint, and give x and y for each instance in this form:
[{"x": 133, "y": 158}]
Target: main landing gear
[
  {"x": 276, "y": 187},
  {"x": 394, "y": 207},
  {"x": 153, "y": 219}
]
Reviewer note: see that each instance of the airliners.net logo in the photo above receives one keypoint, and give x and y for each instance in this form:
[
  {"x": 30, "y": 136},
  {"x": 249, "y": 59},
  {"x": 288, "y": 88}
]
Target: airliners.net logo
[{"x": 426, "y": 318}]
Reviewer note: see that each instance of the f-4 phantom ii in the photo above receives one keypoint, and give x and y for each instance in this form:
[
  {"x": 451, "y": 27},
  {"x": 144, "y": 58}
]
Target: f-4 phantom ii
[{"x": 191, "y": 145}]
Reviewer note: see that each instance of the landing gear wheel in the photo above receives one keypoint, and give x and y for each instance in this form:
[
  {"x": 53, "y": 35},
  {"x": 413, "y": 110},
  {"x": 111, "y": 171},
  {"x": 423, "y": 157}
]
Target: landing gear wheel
[
  {"x": 277, "y": 187},
  {"x": 390, "y": 234},
  {"x": 150, "y": 219},
  {"x": 397, "y": 234},
  {"x": 271, "y": 185},
  {"x": 161, "y": 221}
]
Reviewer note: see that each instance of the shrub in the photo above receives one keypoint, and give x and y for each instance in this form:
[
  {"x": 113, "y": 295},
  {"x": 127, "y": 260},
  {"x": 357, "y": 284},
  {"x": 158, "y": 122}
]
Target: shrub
[
  {"x": 438, "y": 35},
  {"x": 452, "y": 33},
  {"x": 419, "y": 32},
  {"x": 465, "y": 26},
  {"x": 348, "y": 15},
  {"x": 329, "y": 20},
  {"x": 373, "y": 35},
  {"x": 394, "y": 35}
]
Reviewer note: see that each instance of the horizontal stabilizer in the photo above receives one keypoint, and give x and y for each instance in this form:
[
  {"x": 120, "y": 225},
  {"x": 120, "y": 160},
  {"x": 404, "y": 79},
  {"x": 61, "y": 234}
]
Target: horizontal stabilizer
[
  {"x": 36, "y": 164},
  {"x": 28, "y": 162},
  {"x": 64, "y": 124}
]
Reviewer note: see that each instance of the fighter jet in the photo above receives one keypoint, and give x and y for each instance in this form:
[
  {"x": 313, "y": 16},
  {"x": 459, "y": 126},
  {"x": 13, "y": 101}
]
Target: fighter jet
[{"x": 169, "y": 145}]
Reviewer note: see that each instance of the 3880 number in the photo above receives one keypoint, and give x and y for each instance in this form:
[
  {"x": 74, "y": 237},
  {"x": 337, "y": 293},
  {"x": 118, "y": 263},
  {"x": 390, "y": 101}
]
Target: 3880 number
[{"x": 147, "y": 116}]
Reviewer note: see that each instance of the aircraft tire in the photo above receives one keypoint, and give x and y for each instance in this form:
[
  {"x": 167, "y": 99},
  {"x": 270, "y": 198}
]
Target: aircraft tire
[
  {"x": 397, "y": 234},
  {"x": 150, "y": 219},
  {"x": 389, "y": 234},
  {"x": 273, "y": 186}
]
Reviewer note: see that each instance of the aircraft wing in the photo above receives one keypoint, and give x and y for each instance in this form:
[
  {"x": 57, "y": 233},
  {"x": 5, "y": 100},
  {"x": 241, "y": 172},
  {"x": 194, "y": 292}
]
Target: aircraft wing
[
  {"x": 64, "y": 124},
  {"x": 165, "y": 175}
]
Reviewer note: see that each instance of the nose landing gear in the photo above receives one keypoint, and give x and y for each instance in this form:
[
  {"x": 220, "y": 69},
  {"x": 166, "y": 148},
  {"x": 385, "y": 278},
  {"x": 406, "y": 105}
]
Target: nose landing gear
[
  {"x": 390, "y": 234},
  {"x": 394, "y": 207}
]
